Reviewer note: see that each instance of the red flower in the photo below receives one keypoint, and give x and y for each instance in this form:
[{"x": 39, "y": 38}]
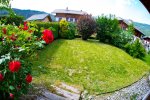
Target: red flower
[
  {"x": 25, "y": 23},
  {"x": 13, "y": 37},
  {"x": 14, "y": 66},
  {"x": 25, "y": 27},
  {"x": 4, "y": 30},
  {"x": 28, "y": 78},
  {"x": 48, "y": 36},
  {"x": 11, "y": 96},
  {"x": 1, "y": 77}
]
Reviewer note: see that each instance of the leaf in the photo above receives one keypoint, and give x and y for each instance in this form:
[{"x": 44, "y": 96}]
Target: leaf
[{"x": 11, "y": 87}]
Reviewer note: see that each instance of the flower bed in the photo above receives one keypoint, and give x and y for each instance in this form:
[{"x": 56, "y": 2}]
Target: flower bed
[{"x": 16, "y": 44}]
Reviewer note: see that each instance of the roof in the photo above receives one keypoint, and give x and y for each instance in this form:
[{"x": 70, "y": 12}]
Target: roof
[
  {"x": 66, "y": 11},
  {"x": 38, "y": 17},
  {"x": 146, "y": 3},
  {"x": 129, "y": 22}
]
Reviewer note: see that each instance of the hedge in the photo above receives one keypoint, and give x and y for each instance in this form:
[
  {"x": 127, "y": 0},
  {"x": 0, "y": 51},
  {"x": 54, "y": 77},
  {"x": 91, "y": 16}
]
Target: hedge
[
  {"x": 13, "y": 19},
  {"x": 49, "y": 25}
]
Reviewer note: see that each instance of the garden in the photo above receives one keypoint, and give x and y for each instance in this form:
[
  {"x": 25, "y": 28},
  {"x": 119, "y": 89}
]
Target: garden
[{"x": 93, "y": 54}]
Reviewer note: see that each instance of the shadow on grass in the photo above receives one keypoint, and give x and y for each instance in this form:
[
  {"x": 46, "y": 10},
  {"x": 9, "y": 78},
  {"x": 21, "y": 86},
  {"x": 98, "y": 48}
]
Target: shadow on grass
[{"x": 41, "y": 58}]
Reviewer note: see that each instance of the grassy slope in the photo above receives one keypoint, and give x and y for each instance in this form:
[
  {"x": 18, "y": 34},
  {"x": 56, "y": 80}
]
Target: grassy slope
[
  {"x": 147, "y": 59},
  {"x": 90, "y": 65}
]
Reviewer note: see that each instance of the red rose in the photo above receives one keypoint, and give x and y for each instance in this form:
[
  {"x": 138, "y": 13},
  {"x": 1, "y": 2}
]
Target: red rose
[
  {"x": 48, "y": 36},
  {"x": 25, "y": 23},
  {"x": 4, "y": 30},
  {"x": 11, "y": 96},
  {"x": 1, "y": 77},
  {"x": 13, "y": 37},
  {"x": 28, "y": 78},
  {"x": 25, "y": 28},
  {"x": 14, "y": 66}
]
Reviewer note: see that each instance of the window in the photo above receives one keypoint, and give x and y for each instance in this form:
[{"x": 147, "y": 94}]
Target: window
[
  {"x": 68, "y": 19},
  {"x": 71, "y": 19},
  {"x": 59, "y": 19}
]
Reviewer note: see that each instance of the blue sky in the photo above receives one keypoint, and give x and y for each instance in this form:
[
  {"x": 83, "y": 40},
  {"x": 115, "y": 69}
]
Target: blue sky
[{"x": 128, "y": 9}]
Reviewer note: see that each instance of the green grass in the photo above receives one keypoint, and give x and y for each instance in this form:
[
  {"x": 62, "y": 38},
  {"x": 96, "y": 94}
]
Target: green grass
[
  {"x": 89, "y": 65},
  {"x": 147, "y": 59}
]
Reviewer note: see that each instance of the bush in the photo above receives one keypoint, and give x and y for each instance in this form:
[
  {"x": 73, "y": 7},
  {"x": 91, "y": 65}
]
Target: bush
[
  {"x": 67, "y": 30},
  {"x": 12, "y": 19},
  {"x": 15, "y": 72},
  {"x": 54, "y": 26},
  {"x": 125, "y": 36},
  {"x": 18, "y": 43},
  {"x": 86, "y": 26},
  {"x": 136, "y": 49},
  {"x": 107, "y": 29}
]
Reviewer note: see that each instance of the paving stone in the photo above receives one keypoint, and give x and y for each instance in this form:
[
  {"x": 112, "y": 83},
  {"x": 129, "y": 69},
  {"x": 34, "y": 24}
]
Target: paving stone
[
  {"x": 70, "y": 88},
  {"x": 67, "y": 94},
  {"x": 51, "y": 96}
]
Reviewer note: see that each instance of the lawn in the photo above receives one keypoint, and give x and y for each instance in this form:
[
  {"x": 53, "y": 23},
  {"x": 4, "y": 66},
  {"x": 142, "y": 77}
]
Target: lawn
[
  {"x": 147, "y": 59},
  {"x": 89, "y": 65}
]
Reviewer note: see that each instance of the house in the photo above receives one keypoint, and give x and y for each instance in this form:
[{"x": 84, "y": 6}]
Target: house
[
  {"x": 69, "y": 15},
  {"x": 40, "y": 17},
  {"x": 125, "y": 23}
]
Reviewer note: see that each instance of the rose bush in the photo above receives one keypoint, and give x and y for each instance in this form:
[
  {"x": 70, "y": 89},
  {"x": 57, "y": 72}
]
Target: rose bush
[{"x": 16, "y": 44}]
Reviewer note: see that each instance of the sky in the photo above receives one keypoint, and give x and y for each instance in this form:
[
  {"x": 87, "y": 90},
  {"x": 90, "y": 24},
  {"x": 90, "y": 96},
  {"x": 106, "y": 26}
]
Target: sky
[{"x": 127, "y": 9}]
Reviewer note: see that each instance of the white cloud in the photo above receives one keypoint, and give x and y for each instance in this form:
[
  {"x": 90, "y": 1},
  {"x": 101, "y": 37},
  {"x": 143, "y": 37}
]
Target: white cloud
[{"x": 121, "y": 8}]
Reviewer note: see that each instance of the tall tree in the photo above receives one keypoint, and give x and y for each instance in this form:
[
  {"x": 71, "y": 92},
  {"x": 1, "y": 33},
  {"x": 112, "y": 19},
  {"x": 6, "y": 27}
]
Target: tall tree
[{"x": 5, "y": 5}]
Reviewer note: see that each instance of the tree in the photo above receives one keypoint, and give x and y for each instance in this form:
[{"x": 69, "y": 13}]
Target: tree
[
  {"x": 5, "y": 5},
  {"x": 86, "y": 26}
]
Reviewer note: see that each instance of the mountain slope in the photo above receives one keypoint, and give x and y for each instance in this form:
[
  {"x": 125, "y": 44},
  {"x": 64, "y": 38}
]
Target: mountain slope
[
  {"x": 27, "y": 13},
  {"x": 145, "y": 28}
]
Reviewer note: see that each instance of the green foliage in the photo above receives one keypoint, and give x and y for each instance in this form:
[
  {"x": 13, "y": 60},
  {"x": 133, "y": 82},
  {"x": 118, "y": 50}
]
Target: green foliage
[
  {"x": 12, "y": 19},
  {"x": 54, "y": 26},
  {"x": 67, "y": 30},
  {"x": 107, "y": 29},
  {"x": 86, "y": 26},
  {"x": 147, "y": 59},
  {"x": 136, "y": 49},
  {"x": 16, "y": 44},
  {"x": 5, "y": 2},
  {"x": 124, "y": 37}
]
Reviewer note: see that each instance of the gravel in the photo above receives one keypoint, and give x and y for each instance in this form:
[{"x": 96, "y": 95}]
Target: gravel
[{"x": 134, "y": 92}]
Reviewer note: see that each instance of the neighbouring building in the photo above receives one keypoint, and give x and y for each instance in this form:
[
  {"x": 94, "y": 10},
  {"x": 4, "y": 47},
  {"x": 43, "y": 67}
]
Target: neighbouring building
[
  {"x": 69, "y": 15},
  {"x": 40, "y": 17},
  {"x": 142, "y": 31},
  {"x": 125, "y": 23}
]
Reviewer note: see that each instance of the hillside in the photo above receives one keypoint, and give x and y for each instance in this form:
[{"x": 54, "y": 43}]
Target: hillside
[
  {"x": 27, "y": 13},
  {"x": 91, "y": 65},
  {"x": 145, "y": 28}
]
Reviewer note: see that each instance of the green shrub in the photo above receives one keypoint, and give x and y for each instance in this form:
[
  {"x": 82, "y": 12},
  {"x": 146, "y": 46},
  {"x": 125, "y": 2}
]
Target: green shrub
[
  {"x": 124, "y": 37},
  {"x": 54, "y": 26},
  {"x": 136, "y": 49},
  {"x": 86, "y": 26},
  {"x": 67, "y": 30},
  {"x": 107, "y": 29},
  {"x": 12, "y": 19}
]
